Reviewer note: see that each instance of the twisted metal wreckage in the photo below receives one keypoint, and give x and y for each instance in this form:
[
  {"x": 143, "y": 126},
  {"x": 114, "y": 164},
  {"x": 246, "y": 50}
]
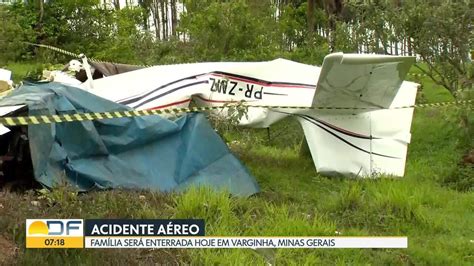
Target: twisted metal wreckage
[{"x": 356, "y": 110}]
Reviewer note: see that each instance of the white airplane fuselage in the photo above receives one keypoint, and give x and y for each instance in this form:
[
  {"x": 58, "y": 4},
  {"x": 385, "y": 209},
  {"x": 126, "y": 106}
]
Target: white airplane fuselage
[{"x": 352, "y": 141}]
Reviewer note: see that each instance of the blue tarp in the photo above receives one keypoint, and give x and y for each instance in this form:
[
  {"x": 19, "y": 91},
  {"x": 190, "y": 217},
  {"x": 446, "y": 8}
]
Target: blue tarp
[{"x": 148, "y": 152}]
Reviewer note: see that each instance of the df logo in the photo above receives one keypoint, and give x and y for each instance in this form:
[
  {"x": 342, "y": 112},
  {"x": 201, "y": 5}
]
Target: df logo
[{"x": 54, "y": 227}]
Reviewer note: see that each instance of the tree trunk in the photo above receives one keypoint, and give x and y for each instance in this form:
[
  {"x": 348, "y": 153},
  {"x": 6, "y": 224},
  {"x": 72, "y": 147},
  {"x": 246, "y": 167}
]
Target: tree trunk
[
  {"x": 333, "y": 10},
  {"x": 332, "y": 33},
  {"x": 174, "y": 18},
  {"x": 117, "y": 4},
  {"x": 39, "y": 24},
  {"x": 155, "y": 9},
  {"x": 183, "y": 8},
  {"x": 145, "y": 5},
  {"x": 310, "y": 17},
  {"x": 164, "y": 23},
  {"x": 41, "y": 11},
  {"x": 167, "y": 28}
]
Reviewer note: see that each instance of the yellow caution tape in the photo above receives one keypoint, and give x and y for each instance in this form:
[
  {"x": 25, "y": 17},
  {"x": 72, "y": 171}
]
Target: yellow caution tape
[
  {"x": 421, "y": 75},
  {"x": 66, "y": 118},
  {"x": 56, "y": 49}
]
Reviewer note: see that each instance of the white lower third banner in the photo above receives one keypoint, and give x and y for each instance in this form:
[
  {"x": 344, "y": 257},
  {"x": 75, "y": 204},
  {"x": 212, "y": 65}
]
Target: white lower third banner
[{"x": 245, "y": 242}]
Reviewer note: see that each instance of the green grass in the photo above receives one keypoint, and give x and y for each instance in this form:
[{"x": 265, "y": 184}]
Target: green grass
[
  {"x": 295, "y": 201},
  {"x": 22, "y": 70}
]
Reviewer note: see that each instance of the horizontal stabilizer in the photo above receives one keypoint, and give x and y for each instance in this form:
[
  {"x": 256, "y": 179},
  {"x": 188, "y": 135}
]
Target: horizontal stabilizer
[{"x": 354, "y": 80}]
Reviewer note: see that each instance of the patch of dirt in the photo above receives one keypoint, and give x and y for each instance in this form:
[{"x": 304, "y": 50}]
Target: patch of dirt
[
  {"x": 468, "y": 158},
  {"x": 8, "y": 251}
]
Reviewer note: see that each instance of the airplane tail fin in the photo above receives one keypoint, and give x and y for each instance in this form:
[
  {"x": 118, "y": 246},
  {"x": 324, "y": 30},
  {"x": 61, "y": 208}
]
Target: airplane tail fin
[{"x": 361, "y": 142}]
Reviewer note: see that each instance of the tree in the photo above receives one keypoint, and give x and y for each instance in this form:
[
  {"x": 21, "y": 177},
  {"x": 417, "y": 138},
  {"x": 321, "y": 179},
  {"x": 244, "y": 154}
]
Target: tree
[
  {"x": 234, "y": 30},
  {"x": 310, "y": 16},
  {"x": 146, "y": 7},
  {"x": 116, "y": 4},
  {"x": 442, "y": 35},
  {"x": 174, "y": 17},
  {"x": 16, "y": 29}
]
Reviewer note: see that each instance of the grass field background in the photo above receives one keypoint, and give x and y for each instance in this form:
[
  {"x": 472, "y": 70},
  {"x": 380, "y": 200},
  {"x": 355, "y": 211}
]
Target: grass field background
[{"x": 433, "y": 204}]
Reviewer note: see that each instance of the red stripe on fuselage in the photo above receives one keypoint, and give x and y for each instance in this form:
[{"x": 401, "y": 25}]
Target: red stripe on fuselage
[{"x": 266, "y": 84}]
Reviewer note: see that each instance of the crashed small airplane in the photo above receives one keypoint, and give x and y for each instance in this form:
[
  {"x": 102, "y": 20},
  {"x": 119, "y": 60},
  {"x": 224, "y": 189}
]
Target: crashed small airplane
[{"x": 355, "y": 109}]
